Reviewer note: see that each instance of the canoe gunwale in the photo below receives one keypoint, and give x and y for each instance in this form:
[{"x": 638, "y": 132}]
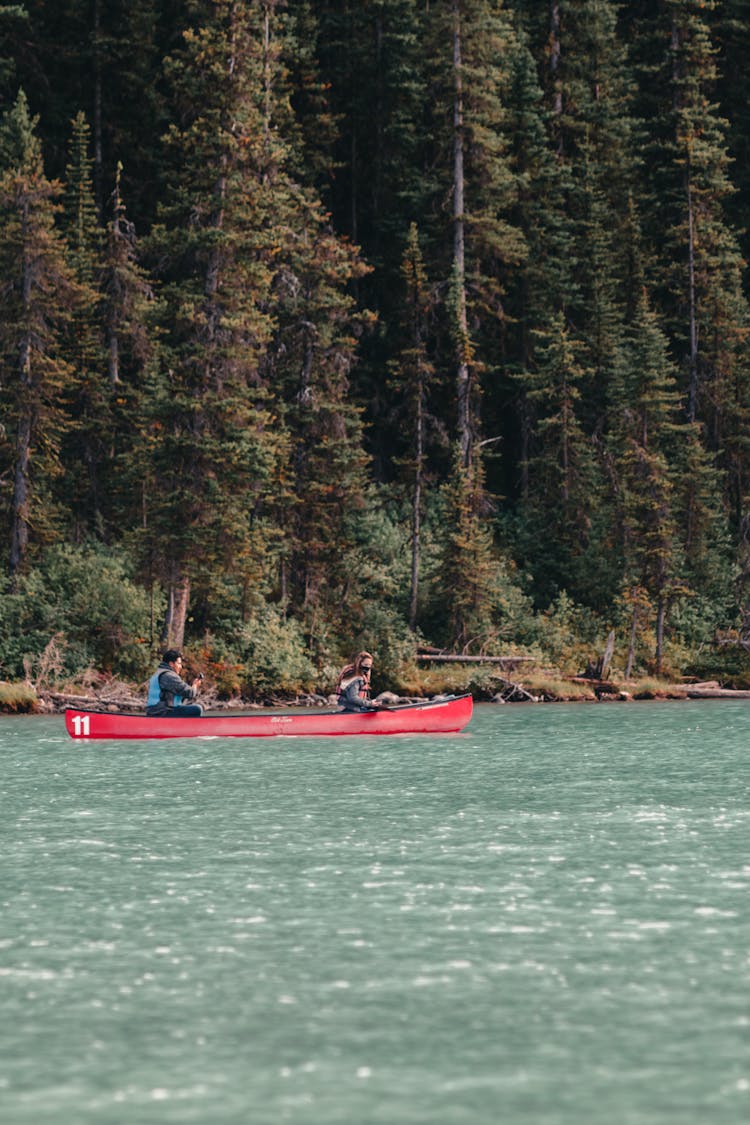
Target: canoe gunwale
[{"x": 446, "y": 715}]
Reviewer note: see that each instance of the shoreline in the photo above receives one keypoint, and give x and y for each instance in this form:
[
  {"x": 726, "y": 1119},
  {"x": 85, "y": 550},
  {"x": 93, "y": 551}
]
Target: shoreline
[{"x": 24, "y": 699}]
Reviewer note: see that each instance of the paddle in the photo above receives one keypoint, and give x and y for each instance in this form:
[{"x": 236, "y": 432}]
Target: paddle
[{"x": 403, "y": 706}]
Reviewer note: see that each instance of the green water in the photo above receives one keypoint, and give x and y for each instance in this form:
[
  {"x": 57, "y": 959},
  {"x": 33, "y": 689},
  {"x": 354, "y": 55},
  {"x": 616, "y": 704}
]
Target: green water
[{"x": 544, "y": 920}]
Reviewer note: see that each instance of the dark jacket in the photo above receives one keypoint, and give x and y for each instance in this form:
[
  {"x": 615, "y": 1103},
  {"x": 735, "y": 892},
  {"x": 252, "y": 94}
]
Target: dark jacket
[
  {"x": 351, "y": 696},
  {"x": 168, "y": 684}
]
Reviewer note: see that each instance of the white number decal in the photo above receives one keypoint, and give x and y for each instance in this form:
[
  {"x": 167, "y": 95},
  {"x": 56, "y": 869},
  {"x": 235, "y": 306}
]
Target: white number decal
[{"x": 81, "y": 725}]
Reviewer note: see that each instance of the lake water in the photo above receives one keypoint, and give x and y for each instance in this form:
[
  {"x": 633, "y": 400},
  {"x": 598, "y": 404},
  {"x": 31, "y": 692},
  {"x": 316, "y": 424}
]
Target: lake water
[{"x": 545, "y": 920}]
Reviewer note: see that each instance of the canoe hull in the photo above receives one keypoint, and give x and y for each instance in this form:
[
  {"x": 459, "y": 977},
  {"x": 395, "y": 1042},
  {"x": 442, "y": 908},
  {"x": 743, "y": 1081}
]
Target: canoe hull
[{"x": 434, "y": 717}]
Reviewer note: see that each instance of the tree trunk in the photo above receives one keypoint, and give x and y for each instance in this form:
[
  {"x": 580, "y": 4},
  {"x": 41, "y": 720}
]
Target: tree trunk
[
  {"x": 463, "y": 374},
  {"x": 98, "y": 171},
  {"x": 20, "y": 516},
  {"x": 693, "y": 360},
  {"x": 19, "y": 537},
  {"x": 692, "y": 317},
  {"x": 554, "y": 66},
  {"x": 114, "y": 358},
  {"x": 631, "y": 644},
  {"x": 661, "y": 613},
  {"x": 417, "y": 511},
  {"x": 173, "y": 635}
]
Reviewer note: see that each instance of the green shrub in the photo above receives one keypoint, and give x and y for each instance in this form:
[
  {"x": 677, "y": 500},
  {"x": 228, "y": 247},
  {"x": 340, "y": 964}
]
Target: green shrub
[
  {"x": 729, "y": 664},
  {"x": 274, "y": 654},
  {"x": 387, "y": 636},
  {"x": 17, "y": 698},
  {"x": 83, "y": 597}
]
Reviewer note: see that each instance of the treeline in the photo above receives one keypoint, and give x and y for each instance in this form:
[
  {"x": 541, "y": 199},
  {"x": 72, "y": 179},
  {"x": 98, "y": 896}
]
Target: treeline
[{"x": 327, "y": 324}]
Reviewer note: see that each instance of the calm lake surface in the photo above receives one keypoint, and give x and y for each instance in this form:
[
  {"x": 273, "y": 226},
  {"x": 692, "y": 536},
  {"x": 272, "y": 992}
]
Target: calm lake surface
[{"x": 544, "y": 920}]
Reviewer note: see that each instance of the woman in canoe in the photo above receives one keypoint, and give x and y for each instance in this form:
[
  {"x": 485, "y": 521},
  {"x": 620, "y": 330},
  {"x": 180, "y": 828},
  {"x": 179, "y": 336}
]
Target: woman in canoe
[
  {"x": 167, "y": 689},
  {"x": 353, "y": 687}
]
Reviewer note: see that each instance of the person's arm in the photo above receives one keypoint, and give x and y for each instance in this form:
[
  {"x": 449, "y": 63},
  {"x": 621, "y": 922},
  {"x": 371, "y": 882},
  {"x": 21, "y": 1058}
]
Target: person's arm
[
  {"x": 171, "y": 682},
  {"x": 351, "y": 699}
]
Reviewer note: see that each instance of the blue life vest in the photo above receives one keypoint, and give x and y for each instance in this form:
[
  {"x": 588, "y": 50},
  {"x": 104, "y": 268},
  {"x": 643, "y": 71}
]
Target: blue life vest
[{"x": 154, "y": 691}]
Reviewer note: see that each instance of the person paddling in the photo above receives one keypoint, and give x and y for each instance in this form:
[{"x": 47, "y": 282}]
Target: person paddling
[
  {"x": 353, "y": 687},
  {"x": 167, "y": 689}
]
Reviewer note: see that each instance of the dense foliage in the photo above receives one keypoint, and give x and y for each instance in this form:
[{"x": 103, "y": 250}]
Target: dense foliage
[{"x": 328, "y": 324}]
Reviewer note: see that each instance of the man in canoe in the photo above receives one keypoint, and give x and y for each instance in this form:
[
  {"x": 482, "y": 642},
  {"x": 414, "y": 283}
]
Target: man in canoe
[
  {"x": 353, "y": 687},
  {"x": 167, "y": 690}
]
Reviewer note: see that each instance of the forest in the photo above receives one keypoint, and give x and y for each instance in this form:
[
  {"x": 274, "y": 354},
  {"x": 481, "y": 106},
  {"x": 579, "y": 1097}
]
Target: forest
[{"x": 385, "y": 324}]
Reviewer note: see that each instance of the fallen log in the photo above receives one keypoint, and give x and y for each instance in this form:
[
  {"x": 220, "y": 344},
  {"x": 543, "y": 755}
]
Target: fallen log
[
  {"x": 716, "y": 693},
  {"x": 459, "y": 658}
]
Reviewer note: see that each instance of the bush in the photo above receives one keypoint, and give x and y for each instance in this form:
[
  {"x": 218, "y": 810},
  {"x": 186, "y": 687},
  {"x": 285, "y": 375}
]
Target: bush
[
  {"x": 570, "y": 635},
  {"x": 387, "y": 636},
  {"x": 18, "y": 698},
  {"x": 83, "y": 597},
  {"x": 274, "y": 653}
]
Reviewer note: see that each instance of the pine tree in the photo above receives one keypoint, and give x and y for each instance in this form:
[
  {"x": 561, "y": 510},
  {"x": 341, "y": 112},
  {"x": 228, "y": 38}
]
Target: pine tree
[
  {"x": 380, "y": 177},
  {"x": 308, "y": 365},
  {"x": 560, "y": 519},
  {"x": 102, "y": 57},
  {"x": 411, "y": 375},
  {"x": 699, "y": 281},
  {"x": 645, "y": 431},
  {"x": 209, "y": 442},
  {"x": 39, "y": 297},
  {"x": 13, "y": 24},
  {"x": 473, "y": 79},
  {"x": 256, "y": 433},
  {"x": 469, "y": 586},
  {"x": 127, "y": 293},
  {"x": 89, "y": 438},
  {"x": 539, "y": 286}
]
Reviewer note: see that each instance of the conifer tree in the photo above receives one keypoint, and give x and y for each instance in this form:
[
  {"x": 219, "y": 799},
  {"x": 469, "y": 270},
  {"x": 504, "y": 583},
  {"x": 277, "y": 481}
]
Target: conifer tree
[
  {"x": 688, "y": 166},
  {"x": 564, "y": 481},
  {"x": 380, "y": 178},
  {"x": 251, "y": 408},
  {"x": 308, "y": 362},
  {"x": 411, "y": 375},
  {"x": 126, "y": 291},
  {"x": 209, "y": 432},
  {"x": 89, "y": 436},
  {"x": 13, "y": 22},
  {"x": 469, "y": 582},
  {"x": 128, "y": 313},
  {"x": 478, "y": 42},
  {"x": 39, "y": 297},
  {"x": 646, "y": 431}
]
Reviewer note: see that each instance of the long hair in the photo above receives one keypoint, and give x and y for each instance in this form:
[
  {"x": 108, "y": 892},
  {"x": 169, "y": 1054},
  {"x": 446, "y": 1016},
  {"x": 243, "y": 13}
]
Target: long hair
[{"x": 349, "y": 671}]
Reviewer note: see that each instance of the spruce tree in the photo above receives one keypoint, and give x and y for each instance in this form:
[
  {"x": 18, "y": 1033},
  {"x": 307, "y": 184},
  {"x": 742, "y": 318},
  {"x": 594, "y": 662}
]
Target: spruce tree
[
  {"x": 308, "y": 364},
  {"x": 13, "y": 25},
  {"x": 688, "y": 167},
  {"x": 646, "y": 430},
  {"x": 89, "y": 437},
  {"x": 256, "y": 433},
  {"x": 412, "y": 374},
  {"x": 558, "y": 527},
  {"x": 39, "y": 298},
  {"x": 209, "y": 441}
]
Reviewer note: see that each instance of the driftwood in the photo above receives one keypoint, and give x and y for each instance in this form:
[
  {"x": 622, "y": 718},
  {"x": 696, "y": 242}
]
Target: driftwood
[
  {"x": 598, "y": 669},
  {"x": 459, "y": 658},
  {"x": 514, "y": 693},
  {"x": 713, "y": 691},
  {"x": 59, "y": 700}
]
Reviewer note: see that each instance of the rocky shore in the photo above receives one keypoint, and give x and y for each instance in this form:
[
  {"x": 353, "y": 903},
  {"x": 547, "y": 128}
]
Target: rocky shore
[{"x": 119, "y": 696}]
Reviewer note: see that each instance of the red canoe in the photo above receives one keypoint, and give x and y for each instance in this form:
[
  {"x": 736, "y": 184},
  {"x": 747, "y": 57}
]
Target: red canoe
[{"x": 440, "y": 716}]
